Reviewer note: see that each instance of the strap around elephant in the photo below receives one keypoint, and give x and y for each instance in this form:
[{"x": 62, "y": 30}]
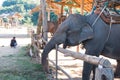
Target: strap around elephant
[{"x": 98, "y": 16}]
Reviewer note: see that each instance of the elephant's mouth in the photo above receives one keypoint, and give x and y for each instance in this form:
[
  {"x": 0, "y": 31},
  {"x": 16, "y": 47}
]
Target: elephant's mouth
[{"x": 69, "y": 42}]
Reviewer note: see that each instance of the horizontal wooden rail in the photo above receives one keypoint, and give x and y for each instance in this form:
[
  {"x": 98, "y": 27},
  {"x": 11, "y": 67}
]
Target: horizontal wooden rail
[{"x": 90, "y": 59}]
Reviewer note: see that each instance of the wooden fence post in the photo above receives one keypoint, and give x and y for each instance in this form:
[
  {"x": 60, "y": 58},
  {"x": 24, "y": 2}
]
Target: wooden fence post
[{"x": 44, "y": 19}]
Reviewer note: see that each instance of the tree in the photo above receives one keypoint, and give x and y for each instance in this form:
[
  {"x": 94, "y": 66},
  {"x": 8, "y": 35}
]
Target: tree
[
  {"x": 34, "y": 18},
  {"x": 53, "y": 17},
  {"x": 19, "y": 6}
]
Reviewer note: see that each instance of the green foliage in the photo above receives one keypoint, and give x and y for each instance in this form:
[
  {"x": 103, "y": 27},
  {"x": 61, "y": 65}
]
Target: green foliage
[
  {"x": 5, "y": 20},
  {"x": 34, "y": 18},
  {"x": 66, "y": 9},
  {"x": 53, "y": 17},
  {"x": 23, "y": 7},
  {"x": 17, "y": 5},
  {"x": 20, "y": 6},
  {"x": 27, "y": 19}
]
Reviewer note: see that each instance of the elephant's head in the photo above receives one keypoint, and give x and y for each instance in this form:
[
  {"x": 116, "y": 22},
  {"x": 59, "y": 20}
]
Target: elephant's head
[
  {"x": 75, "y": 37},
  {"x": 71, "y": 32},
  {"x": 74, "y": 30}
]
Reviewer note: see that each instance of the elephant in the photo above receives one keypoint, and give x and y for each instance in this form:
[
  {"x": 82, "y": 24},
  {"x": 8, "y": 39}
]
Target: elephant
[{"x": 98, "y": 39}]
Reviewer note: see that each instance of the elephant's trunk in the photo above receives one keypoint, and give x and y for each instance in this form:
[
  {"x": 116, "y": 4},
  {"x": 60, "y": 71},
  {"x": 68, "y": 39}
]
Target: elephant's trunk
[{"x": 51, "y": 45}]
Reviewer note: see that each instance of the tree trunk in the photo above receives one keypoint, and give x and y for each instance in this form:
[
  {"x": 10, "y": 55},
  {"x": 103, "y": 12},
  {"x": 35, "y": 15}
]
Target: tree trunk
[{"x": 44, "y": 17}]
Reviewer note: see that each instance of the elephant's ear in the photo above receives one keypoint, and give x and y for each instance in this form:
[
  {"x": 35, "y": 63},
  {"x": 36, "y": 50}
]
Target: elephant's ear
[
  {"x": 86, "y": 33},
  {"x": 76, "y": 35}
]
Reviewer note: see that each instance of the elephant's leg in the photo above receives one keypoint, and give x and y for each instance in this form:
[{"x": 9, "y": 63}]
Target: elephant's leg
[
  {"x": 94, "y": 68},
  {"x": 86, "y": 71},
  {"x": 87, "y": 67},
  {"x": 117, "y": 71}
]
